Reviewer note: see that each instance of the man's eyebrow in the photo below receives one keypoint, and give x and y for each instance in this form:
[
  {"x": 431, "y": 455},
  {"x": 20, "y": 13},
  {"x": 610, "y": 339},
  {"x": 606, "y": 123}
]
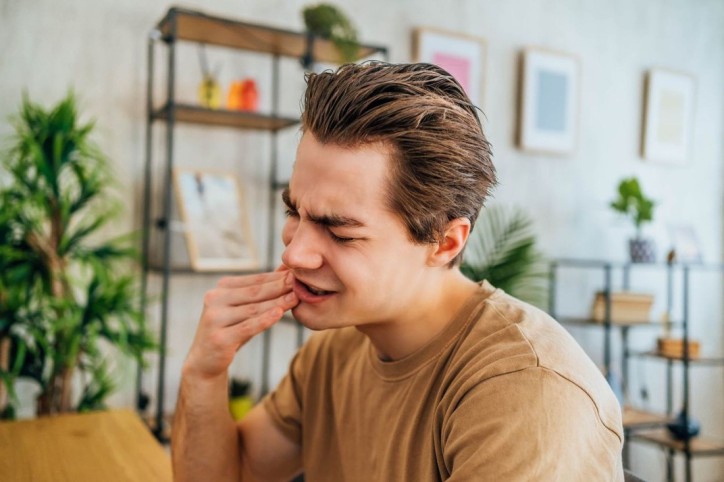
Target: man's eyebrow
[
  {"x": 335, "y": 221},
  {"x": 328, "y": 220},
  {"x": 287, "y": 199}
]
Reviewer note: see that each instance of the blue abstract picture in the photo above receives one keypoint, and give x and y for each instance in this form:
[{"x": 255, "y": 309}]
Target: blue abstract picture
[{"x": 551, "y": 107}]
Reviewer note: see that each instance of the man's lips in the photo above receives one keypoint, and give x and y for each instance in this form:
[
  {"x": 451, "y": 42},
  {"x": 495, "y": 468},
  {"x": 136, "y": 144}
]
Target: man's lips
[{"x": 309, "y": 293}]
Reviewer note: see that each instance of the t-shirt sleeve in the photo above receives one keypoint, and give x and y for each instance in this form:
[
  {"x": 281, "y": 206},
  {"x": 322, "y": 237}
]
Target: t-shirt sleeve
[
  {"x": 532, "y": 424},
  {"x": 284, "y": 403}
]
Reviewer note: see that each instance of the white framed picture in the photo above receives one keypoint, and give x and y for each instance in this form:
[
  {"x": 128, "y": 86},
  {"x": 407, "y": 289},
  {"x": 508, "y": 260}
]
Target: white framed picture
[
  {"x": 548, "y": 101},
  {"x": 685, "y": 243},
  {"x": 215, "y": 222},
  {"x": 668, "y": 116},
  {"x": 463, "y": 56}
]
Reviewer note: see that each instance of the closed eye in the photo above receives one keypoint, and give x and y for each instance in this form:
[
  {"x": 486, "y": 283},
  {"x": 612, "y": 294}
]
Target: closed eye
[{"x": 339, "y": 239}]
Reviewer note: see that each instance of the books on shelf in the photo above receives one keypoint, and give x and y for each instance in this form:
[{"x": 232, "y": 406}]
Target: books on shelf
[
  {"x": 674, "y": 348},
  {"x": 626, "y": 307}
]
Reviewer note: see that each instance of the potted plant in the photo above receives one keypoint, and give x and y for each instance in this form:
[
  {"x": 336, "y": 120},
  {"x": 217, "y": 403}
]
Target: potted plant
[
  {"x": 329, "y": 22},
  {"x": 632, "y": 202},
  {"x": 66, "y": 299},
  {"x": 502, "y": 250}
]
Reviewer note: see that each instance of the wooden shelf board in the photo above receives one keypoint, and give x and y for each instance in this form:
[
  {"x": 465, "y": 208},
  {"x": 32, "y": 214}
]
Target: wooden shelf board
[
  {"x": 592, "y": 322},
  {"x": 187, "y": 270},
  {"x": 698, "y": 445},
  {"x": 192, "y": 114},
  {"x": 701, "y": 360},
  {"x": 199, "y": 27},
  {"x": 634, "y": 418}
]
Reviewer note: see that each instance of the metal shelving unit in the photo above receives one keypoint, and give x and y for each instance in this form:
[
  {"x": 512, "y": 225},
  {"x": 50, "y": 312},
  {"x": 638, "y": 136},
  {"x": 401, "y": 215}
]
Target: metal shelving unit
[
  {"x": 182, "y": 25},
  {"x": 642, "y": 425}
]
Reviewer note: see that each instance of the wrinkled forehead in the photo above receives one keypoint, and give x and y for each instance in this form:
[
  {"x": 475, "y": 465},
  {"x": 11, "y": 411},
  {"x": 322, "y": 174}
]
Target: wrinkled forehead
[{"x": 340, "y": 174}]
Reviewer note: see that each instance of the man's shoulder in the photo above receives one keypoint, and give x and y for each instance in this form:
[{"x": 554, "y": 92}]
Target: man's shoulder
[{"x": 509, "y": 336}]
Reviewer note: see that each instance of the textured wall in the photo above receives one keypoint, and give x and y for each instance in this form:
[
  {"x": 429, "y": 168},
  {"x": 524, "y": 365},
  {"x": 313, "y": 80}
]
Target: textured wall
[{"x": 99, "y": 48}]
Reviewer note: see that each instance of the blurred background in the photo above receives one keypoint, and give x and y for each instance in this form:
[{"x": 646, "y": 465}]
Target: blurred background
[{"x": 609, "y": 53}]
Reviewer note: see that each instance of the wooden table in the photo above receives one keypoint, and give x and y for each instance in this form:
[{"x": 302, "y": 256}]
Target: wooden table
[{"x": 105, "y": 446}]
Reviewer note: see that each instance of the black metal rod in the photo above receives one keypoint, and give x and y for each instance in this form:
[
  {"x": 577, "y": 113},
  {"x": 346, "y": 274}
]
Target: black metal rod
[
  {"x": 669, "y": 387},
  {"x": 271, "y": 242},
  {"x": 607, "y": 322},
  {"x": 146, "y": 222},
  {"x": 624, "y": 361},
  {"x": 168, "y": 179},
  {"x": 552, "y": 272},
  {"x": 685, "y": 411}
]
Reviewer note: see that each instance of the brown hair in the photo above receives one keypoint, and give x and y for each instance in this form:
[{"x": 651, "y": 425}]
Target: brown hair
[{"x": 441, "y": 161}]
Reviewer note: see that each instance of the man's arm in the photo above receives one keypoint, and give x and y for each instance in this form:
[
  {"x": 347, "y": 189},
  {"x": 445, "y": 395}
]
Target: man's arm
[{"x": 207, "y": 444}]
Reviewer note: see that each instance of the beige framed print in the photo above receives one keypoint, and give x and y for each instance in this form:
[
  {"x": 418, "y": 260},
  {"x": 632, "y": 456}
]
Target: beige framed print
[
  {"x": 463, "y": 56},
  {"x": 215, "y": 223},
  {"x": 668, "y": 116},
  {"x": 548, "y": 101}
]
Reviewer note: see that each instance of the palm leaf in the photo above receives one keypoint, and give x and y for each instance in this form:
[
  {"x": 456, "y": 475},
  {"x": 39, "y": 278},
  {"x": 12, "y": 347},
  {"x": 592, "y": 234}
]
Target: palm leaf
[{"x": 502, "y": 250}]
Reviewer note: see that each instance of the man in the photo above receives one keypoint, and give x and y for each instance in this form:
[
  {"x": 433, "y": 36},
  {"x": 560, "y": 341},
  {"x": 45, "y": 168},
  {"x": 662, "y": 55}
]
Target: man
[{"x": 417, "y": 373}]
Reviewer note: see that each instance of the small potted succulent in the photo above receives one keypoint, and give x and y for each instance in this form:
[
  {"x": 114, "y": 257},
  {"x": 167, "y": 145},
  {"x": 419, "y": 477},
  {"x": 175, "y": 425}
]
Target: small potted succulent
[
  {"x": 329, "y": 22},
  {"x": 632, "y": 202}
]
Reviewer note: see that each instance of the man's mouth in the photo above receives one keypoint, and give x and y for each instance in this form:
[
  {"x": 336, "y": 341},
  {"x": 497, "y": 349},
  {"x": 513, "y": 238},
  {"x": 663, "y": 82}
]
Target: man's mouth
[
  {"x": 314, "y": 290},
  {"x": 310, "y": 293}
]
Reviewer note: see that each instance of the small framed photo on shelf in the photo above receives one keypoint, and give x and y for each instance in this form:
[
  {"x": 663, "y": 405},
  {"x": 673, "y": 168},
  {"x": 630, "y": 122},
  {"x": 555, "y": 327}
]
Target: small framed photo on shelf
[
  {"x": 463, "y": 56},
  {"x": 548, "y": 101},
  {"x": 685, "y": 244},
  {"x": 668, "y": 116},
  {"x": 215, "y": 222}
]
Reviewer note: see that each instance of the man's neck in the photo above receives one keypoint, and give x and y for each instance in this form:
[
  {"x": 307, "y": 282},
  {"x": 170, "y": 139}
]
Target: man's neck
[{"x": 432, "y": 312}]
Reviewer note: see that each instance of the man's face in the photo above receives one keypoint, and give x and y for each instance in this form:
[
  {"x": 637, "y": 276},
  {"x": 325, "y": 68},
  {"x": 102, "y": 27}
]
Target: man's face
[{"x": 352, "y": 257}]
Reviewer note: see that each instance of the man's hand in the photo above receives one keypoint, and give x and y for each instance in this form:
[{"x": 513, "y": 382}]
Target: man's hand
[{"x": 239, "y": 308}]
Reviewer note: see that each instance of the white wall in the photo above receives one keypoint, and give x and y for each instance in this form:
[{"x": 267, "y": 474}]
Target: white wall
[{"x": 99, "y": 48}]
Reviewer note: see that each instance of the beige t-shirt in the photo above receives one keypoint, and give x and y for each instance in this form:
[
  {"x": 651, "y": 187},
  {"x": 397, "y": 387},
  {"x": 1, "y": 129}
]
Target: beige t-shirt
[{"x": 503, "y": 393}]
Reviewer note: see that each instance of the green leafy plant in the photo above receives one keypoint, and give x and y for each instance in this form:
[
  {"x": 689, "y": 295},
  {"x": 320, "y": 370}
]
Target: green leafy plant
[
  {"x": 329, "y": 22},
  {"x": 65, "y": 300},
  {"x": 502, "y": 250},
  {"x": 632, "y": 202}
]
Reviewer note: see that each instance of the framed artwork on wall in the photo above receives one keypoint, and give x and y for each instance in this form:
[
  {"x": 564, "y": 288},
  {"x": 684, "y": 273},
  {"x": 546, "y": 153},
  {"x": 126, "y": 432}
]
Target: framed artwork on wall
[
  {"x": 215, "y": 222},
  {"x": 548, "y": 101},
  {"x": 668, "y": 116},
  {"x": 462, "y": 55}
]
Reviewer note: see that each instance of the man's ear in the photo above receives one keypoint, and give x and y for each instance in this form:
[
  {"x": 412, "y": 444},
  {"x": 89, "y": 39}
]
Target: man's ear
[{"x": 451, "y": 243}]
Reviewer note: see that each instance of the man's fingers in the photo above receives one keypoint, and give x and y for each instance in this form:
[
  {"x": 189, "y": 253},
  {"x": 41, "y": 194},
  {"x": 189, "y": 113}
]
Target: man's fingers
[
  {"x": 249, "y": 280},
  {"x": 240, "y": 313},
  {"x": 241, "y": 295},
  {"x": 243, "y": 332}
]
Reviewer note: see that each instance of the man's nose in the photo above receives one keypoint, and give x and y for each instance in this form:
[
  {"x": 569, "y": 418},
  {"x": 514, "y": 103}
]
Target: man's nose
[{"x": 303, "y": 250}]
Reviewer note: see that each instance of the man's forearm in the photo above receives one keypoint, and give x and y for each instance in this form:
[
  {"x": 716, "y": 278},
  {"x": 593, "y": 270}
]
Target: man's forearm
[{"x": 205, "y": 441}]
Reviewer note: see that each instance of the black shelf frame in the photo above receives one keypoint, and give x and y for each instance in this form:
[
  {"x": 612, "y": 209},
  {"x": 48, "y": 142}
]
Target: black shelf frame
[
  {"x": 671, "y": 268},
  {"x": 181, "y": 24}
]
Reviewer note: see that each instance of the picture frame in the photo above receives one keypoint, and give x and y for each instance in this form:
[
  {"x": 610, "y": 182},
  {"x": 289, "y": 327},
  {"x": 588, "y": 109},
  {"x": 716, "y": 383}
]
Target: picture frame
[
  {"x": 215, "y": 222},
  {"x": 548, "y": 100},
  {"x": 668, "y": 116},
  {"x": 464, "y": 56},
  {"x": 685, "y": 243}
]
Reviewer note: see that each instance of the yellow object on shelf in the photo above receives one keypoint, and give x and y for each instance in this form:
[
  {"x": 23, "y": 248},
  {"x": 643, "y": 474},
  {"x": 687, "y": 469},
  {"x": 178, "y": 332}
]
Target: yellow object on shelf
[
  {"x": 240, "y": 406},
  {"x": 210, "y": 93}
]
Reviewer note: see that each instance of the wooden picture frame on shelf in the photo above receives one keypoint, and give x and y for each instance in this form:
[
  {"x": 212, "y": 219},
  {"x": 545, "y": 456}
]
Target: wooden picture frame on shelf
[
  {"x": 462, "y": 55},
  {"x": 548, "y": 98},
  {"x": 668, "y": 116},
  {"x": 215, "y": 221}
]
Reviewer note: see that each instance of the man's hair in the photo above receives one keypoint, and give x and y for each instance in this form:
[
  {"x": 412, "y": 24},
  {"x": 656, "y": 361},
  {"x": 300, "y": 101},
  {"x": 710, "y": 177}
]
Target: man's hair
[{"x": 441, "y": 162}]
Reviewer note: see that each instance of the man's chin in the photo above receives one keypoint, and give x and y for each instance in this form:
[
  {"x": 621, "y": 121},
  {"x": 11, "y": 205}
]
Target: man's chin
[{"x": 314, "y": 321}]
